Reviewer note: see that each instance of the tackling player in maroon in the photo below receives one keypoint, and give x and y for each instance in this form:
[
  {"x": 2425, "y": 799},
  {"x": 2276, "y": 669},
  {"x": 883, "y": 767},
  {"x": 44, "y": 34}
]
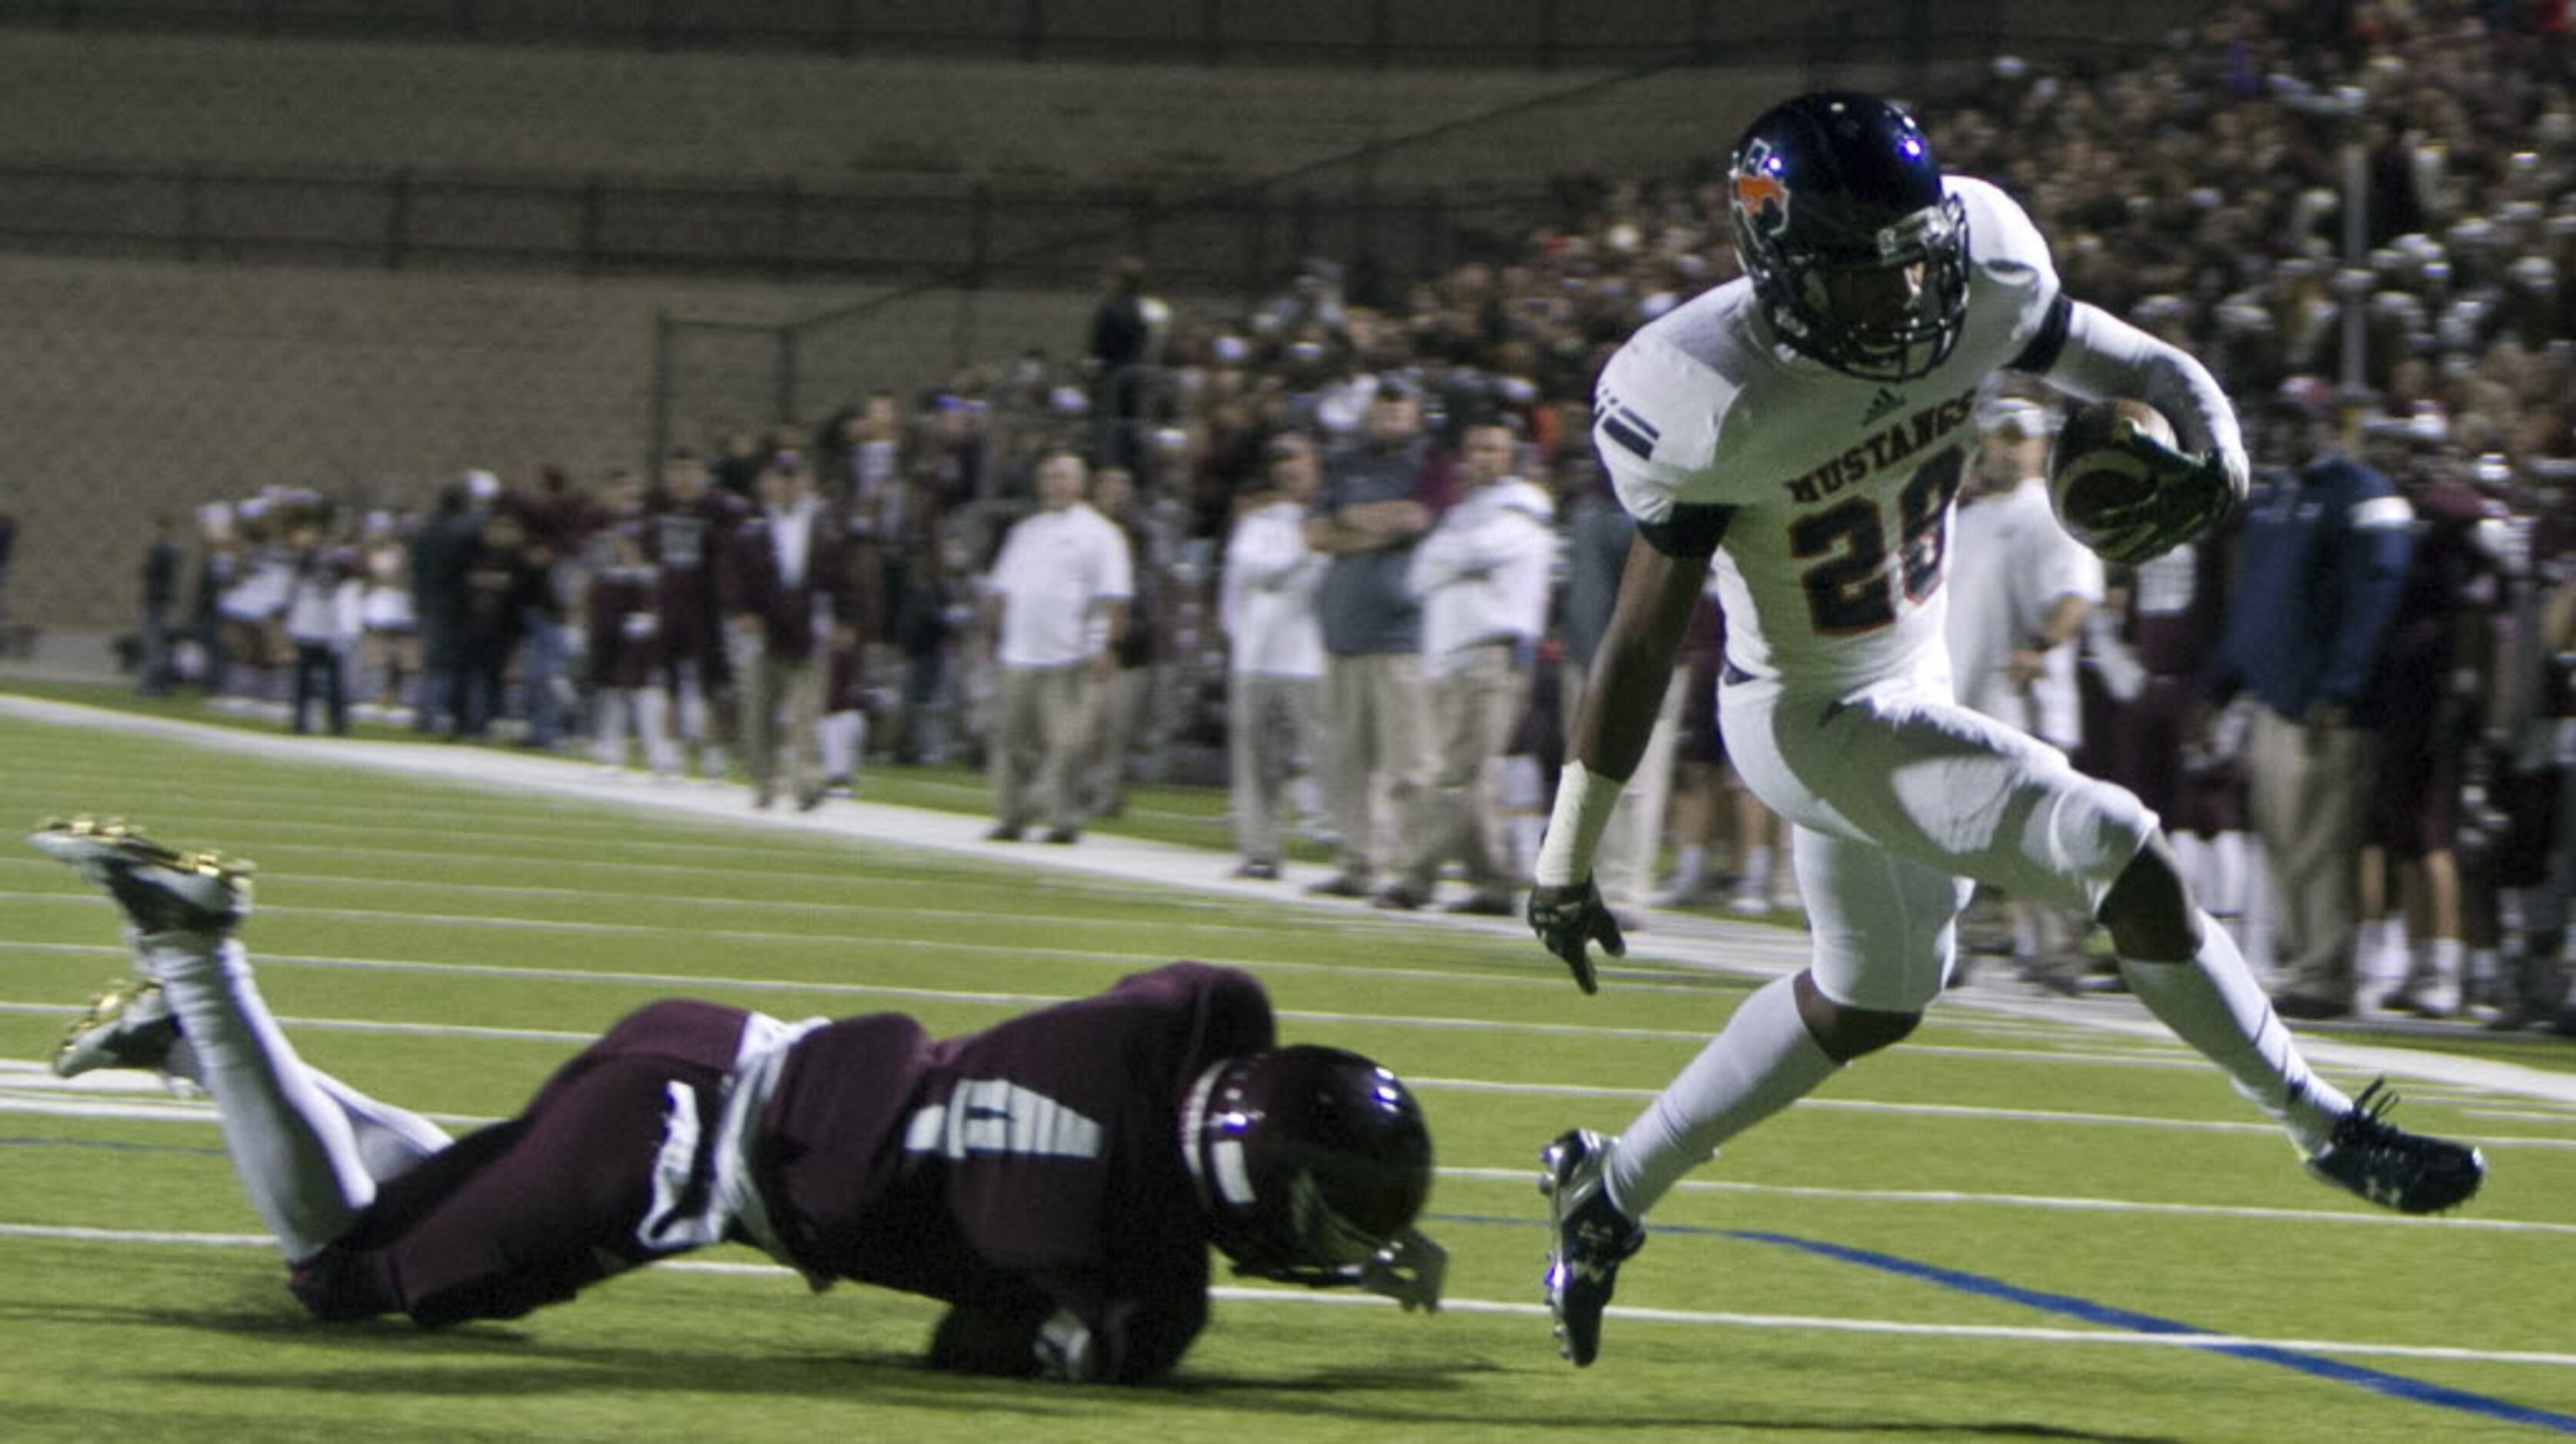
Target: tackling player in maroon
[{"x": 1056, "y": 1179}]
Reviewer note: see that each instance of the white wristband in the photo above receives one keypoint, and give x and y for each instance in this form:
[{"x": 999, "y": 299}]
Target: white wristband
[{"x": 1584, "y": 799}]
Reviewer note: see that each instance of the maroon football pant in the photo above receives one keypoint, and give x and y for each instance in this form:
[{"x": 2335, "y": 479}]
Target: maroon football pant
[{"x": 530, "y": 1211}]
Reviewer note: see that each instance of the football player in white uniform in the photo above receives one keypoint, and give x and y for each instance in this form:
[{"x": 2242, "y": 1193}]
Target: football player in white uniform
[{"x": 1803, "y": 431}]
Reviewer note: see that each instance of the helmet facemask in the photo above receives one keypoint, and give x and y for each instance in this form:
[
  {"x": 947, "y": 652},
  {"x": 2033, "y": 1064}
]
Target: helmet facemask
[{"x": 1887, "y": 307}]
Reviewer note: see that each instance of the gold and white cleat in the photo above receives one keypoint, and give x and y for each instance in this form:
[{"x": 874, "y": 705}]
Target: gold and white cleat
[{"x": 162, "y": 889}]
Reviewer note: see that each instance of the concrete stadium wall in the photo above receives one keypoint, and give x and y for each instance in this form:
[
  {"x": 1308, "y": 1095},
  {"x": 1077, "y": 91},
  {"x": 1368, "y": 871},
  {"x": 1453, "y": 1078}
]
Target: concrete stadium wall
[
  {"x": 823, "y": 121},
  {"x": 129, "y": 388}
]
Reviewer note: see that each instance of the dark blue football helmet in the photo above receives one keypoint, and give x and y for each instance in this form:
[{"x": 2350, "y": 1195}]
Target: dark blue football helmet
[{"x": 1858, "y": 258}]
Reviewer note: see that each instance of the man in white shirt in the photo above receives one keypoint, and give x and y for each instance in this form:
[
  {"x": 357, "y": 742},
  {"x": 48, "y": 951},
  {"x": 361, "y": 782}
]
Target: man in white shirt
[
  {"x": 1483, "y": 576},
  {"x": 1274, "y": 651},
  {"x": 1056, "y": 595},
  {"x": 2024, "y": 587},
  {"x": 2018, "y": 600}
]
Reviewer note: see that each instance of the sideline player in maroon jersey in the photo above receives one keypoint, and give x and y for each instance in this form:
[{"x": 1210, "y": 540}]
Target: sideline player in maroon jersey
[
  {"x": 1056, "y": 1179},
  {"x": 688, "y": 523}
]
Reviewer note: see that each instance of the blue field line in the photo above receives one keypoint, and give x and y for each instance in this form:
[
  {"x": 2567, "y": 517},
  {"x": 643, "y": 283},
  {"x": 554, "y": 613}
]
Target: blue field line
[{"x": 2378, "y": 1381}]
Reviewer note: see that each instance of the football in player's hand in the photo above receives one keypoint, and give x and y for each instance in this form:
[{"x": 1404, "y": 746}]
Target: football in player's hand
[
  {"x": 2097, "y": 464},
  {"x": 2106, "y": 463}
]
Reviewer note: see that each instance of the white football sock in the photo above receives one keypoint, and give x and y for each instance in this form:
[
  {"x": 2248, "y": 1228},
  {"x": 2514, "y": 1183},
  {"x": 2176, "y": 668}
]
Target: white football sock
[
  {"x": 2193, "y": 860},
  {"x": 653, "y": 723},
  {"x": 1763, "y": 1061},
  {"x": 291, "y": 1144},
  {"x": 2394, "y": 961},
  {"x": 1756, "y": 881},
  {"x": 2213, "y": 1003},
  {"x": 840, "y": 735},
  {"x": 1690, "y": 869},
  {"x": 608, "y": 738},
  {"x": 2235, "y": 876}
]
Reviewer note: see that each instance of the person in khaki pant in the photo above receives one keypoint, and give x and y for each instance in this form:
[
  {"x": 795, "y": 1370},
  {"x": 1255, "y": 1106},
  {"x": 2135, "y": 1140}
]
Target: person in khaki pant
[
  {"x": 2320, "y": 564},
  {"x": 1482, "y": 575},
  {"x": 1057, "y": 593},
  {"x": 786, "y": 585},
  {"x": 1376, "y": 744}
]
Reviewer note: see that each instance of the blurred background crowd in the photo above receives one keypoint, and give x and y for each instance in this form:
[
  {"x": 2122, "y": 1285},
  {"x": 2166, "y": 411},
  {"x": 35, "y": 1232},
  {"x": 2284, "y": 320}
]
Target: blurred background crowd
[{"x": 1354, "y": 548}]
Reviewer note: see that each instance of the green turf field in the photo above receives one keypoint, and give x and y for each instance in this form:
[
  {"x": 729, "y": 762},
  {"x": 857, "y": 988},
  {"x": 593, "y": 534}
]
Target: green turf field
[{"x": 2014, "y": 1227}]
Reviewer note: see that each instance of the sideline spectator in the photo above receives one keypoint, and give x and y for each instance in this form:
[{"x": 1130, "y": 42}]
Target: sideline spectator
[
  {"x": 622, "y": 619},
  {"x": 161, "y": 563},
  {"x": 689, "y": 526},
  {"x": 786, "y": 585},
  {"x": 321, "y": 621},
  {"x": 1123, "y": 700},
  {"x": 1127, "y": 331},
  {"x": 498, "y": 583},
  {"x": 554, "y": 518},
  {"x": 1057, "y": 593},
  {"x": 1375, "y": 716},
  {"x": 2323, "y": 557},
  {"x": 1274, "y": 653},
  {"x": 387, "y": 612},
  {"x": 1482, "y": 578},
  {"x": 441, "y": 554},
  {"x": 2426, "y": 690}
]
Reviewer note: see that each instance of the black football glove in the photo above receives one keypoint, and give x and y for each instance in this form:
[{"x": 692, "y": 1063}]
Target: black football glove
[
  {"x": 2189, "y": 496},
  {"x": 1568, "y": 920}
]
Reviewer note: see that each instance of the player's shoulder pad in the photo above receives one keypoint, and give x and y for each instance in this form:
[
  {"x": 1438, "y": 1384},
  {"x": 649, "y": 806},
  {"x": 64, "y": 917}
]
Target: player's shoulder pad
[
  {"x": 2003, "y": 241},
  {"x": 2016, "y": 288},
  {"x": 1658, "y": 406}
]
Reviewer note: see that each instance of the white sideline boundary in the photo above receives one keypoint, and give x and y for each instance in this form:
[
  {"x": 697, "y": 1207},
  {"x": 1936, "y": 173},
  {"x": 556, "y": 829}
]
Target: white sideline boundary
[
  {"x": 1673, "y": 939},
  {"x": 1233, "y": 1294}
]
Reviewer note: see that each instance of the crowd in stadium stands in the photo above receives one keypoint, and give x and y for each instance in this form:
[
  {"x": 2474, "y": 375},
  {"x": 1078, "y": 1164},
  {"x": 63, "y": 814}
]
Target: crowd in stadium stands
[{"x": 1321, "y": 511}]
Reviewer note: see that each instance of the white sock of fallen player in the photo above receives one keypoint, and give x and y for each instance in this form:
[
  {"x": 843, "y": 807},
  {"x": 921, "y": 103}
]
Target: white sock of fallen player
[{"x": 293, "y": 1146}]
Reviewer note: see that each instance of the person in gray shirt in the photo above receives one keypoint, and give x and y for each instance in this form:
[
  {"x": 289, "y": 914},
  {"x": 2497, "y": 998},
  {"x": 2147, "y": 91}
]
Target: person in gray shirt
[{"x": 1375, "y": 710}]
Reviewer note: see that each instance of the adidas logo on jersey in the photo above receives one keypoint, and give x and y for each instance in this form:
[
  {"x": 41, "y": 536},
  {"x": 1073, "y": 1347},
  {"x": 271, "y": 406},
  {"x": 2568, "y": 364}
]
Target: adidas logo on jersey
[{"x": 1886, "y": 403}]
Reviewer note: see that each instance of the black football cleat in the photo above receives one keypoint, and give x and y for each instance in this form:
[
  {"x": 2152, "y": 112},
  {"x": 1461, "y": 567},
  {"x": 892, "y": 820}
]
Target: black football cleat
[
  {"x": 161, "y": 889},
  {"x": 2379, "y": 1161},
  {"x": 1588, "y": 1239}
]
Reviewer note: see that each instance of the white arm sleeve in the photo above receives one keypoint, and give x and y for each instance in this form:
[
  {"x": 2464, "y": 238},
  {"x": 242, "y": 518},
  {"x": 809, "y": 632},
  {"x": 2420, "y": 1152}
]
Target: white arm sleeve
[{"x": 2105, "y": 356}]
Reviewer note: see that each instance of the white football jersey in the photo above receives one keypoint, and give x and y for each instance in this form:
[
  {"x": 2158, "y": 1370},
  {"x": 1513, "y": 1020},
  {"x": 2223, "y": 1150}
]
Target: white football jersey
[{"x": 1838, "y": 491}]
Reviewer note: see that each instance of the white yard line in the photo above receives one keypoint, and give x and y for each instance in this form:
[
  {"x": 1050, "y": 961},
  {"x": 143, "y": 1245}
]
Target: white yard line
[
  {"x": 29, "y": 1088},
  {"x": 2000, "y": 1333}
]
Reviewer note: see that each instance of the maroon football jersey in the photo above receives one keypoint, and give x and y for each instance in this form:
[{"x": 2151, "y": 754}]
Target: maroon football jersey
[
  {"x": 1035, "y": 1166},
  {"x": 2174, "y": 611},
  {"x": 624, "y": 627},
  {"x": 683, "y": 542}
]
